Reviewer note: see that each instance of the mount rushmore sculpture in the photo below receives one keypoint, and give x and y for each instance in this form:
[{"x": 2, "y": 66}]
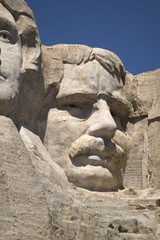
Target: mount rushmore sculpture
[{"x": 79, "y": 139}]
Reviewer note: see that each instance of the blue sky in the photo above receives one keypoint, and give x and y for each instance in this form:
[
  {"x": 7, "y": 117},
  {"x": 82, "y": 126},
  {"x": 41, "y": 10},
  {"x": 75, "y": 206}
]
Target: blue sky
[{"x": 129, "y": 28}]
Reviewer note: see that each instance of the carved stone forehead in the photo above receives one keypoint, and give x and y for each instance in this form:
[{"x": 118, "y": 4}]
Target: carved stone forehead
[
  {"x": 17, "y": 8},
  {"x": 7, "y": 21},
  {"x": 4, "y": 13},
  {"x": 88, "y": 79}
]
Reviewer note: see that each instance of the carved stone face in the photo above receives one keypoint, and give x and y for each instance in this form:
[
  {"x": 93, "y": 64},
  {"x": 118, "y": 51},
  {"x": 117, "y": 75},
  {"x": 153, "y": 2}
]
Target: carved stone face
[
  {"x": 85, "y": 134},
  {"x": 10, "y": 61}
]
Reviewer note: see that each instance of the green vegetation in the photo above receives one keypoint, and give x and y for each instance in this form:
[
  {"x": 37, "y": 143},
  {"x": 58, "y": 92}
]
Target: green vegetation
[
  {"x": 111, "y": 226},
  {"x": 122, "y": 229}
]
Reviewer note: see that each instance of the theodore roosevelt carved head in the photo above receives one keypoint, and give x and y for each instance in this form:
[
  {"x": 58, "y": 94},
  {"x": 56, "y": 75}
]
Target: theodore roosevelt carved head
[{"x": 85, "y": 132}]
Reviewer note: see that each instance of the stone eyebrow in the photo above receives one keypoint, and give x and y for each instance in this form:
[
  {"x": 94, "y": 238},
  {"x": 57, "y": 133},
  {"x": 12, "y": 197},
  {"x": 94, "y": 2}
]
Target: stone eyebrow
[
  {"x": 76, "y": 98},
  {"x": 6, "y": 24}
]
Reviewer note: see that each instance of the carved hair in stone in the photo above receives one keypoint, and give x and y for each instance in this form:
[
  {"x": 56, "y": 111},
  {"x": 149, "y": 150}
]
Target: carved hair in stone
[{"x": 85, "y": 131}]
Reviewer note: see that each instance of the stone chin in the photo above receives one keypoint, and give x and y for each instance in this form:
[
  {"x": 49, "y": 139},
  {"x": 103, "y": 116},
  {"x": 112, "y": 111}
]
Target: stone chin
[
  {"x": 94, "y": 178},
  {"x": 95, "y": 166}
]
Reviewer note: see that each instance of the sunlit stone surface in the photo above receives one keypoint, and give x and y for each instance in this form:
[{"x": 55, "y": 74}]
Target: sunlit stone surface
[{"x": 79, "y": 139}]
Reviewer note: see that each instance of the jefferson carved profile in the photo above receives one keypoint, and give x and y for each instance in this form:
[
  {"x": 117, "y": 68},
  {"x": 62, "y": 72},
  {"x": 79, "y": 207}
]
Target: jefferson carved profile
[
  {"x": 19, "y": 55},
  {"x": 11, "y": 61}
]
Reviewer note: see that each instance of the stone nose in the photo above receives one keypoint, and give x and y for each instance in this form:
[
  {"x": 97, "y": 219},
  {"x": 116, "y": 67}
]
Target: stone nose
[{"x": 101, "y": 122}]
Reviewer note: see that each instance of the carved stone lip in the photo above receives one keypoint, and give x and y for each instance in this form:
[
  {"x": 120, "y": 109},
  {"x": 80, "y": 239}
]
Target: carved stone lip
[
  {"x": 91, "y": 159},
  {"x": 94, "y": 146}
]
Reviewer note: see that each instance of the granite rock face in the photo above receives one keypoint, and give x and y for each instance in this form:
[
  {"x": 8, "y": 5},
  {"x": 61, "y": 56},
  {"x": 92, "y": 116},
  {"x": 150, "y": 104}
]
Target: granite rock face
[
  {"x": 37, "y": 202},
  {"x": 144, "y": 126},
  {"x": 24, "y": 214},
  {"x": 79, "y": 140}
]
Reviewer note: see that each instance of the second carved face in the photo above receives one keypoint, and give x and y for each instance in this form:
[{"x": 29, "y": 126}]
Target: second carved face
[
  {"x": 85, "y": 134},
  {"x": 10, "y": 61}
]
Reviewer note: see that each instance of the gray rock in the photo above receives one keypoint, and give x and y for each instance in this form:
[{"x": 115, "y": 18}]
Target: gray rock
[{"x": 50, "y": 120}]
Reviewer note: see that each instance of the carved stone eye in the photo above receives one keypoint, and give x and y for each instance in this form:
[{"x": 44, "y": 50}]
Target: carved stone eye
[
  {"x": 5, "y": 36},
  {"x": 73, "y": 106}
]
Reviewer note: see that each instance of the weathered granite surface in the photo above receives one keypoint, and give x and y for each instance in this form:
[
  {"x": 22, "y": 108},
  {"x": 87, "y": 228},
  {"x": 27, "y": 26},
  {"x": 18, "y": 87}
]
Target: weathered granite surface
[
  {"x": 144, "y": 128},
  {"x": 38, "y": 203},
  {"x": 44, "y": 125}
]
